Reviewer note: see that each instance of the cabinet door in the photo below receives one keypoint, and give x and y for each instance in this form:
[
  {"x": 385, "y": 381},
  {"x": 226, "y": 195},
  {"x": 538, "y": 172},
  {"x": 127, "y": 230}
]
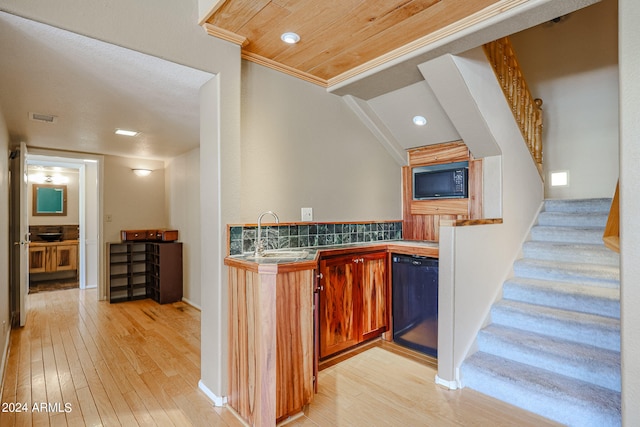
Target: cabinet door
[
  {"x": 339, "y": 326},
  {"x": 65, "y": 258},
  {"x": 169, "y": 271},
  {"x": 37, "y": 259},
  {"x": 374, "y": 294}
]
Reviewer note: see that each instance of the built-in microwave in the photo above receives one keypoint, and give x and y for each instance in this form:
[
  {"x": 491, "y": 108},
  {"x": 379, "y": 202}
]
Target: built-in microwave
[{"x": 441, "y": 181}]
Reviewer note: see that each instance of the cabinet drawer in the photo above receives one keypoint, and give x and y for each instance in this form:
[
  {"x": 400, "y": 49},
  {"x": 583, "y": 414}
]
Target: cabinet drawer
[
  {"x": 133, "y": 235},
  {"x": 169, "y": 235},
  {"x": 154, "y": 235}
]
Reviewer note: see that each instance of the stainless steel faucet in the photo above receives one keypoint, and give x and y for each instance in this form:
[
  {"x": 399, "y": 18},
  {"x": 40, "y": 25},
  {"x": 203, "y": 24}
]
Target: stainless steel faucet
[{"x": 259, "y": 243}]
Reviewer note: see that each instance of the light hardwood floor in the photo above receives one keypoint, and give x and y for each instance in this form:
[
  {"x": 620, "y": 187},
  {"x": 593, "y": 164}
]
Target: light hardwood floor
[{"x": 138, "y": 363}]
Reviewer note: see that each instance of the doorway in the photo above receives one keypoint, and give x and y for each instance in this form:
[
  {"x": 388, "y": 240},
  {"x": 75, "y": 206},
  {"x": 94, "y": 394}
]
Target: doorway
[
  {"x": 75, "y": 234},
  {"x": 53, "y": 212},
  {"x": 88, "y": 196}
]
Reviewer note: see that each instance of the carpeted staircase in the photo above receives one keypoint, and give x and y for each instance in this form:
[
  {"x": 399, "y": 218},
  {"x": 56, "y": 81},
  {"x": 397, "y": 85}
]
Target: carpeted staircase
[{"x": 553, "y": 346}]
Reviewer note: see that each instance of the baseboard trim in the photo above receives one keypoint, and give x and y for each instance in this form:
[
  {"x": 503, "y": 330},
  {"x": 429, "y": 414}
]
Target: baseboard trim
[
  {"x": 410, "y": 354},
  {"x": 5, "y": 360},
  {"x": 217, "y": 400},
  {"x": 192, "y": 304},
  {"x": 451, "y": 385}
]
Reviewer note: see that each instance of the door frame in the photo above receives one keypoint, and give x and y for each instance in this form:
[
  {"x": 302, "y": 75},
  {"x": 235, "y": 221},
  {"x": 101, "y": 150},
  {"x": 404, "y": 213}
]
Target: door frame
[{"x": 91, "y": 211}]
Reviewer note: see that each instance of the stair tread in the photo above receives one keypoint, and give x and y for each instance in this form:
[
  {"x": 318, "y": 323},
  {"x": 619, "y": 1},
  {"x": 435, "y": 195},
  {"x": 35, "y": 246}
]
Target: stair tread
[
  {"x": 577, "y": 360},
  {"x": 595, "y": 219},
  {"x": 571, "y": 252},
  {"x": 577, "y": 205},
  {"x": 603, "y": 301},
  {"x": 568, "y": 315},
  {"x": 593, "y": 329},
  {"x": 556, "y": 233},
  {"x": 589, "y": 247},
  {"x": 555, "y": 396},
  {"x": 560, "y": 288},
  {"x": 596, "y": 270},
  {"x": 586, "y": 274},
  {"x": 567, "y": 287}
]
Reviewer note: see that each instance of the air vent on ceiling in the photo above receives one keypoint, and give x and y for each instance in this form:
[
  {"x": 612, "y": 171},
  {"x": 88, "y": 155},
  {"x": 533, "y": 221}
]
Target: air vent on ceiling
[{"x": 46, "y": 118}]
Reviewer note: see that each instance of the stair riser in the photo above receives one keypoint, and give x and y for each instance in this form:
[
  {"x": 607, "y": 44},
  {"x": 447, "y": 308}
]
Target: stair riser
[
  {"x": 606, "y": 375},
  {"x": 588, "y": 254},
  {"x": 603, "y": 336},
  {"x": 577, "y": 302},
  {"x": 566, "y": 235}
]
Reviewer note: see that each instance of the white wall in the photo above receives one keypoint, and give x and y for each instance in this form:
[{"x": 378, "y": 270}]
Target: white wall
[
  {"x": 219, "y": 204},
  {"x": 304, "y": 147},
  {"x": 166, "y": 29},
  {"x": 4, "y": 241},
  {"x": 573, "y": 67},
  {"x": 182, "y": 176},
  {"x": 629, "y": 208},
  {"x": 132, "y": 202},
  {"x": 475, "y": 260}
]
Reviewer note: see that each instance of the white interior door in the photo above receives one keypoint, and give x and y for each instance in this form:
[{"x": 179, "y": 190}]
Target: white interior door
[{"x": 19, "y": 285}]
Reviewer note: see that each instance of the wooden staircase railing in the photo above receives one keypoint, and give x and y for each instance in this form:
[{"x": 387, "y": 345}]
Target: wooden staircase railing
[
  {"x": 526, "y": 110},
  {"x": 611, "y": 236}
]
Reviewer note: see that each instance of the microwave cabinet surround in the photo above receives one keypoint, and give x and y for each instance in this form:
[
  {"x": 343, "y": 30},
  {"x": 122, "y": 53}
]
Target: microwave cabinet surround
[
  {"x": 353, "y": 300},
  {"x": 422, "y": 218},
  {"x": 139, "y": 270}
]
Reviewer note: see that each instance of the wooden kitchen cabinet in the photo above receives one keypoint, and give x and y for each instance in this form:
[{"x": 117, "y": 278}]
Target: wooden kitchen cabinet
[
  {"x": 37, "y": 259},
  {"x": 353, "y": 300},
  {"x": 271, "y": 339},
  {"x": 53, "y": 257}
]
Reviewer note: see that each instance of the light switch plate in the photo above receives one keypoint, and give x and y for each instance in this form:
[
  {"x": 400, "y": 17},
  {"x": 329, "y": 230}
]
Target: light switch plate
[{"x": 307, "y": 214}]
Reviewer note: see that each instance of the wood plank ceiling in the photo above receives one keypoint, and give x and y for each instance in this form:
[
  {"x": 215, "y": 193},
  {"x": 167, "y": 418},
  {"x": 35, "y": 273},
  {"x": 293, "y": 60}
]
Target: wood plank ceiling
[{"x": 341, "y": 38}]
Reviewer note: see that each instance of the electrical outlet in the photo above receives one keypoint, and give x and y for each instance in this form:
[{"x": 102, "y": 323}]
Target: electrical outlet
[
  {"x": 108, "y": 217},
  {"x": 307, "y": 214}
]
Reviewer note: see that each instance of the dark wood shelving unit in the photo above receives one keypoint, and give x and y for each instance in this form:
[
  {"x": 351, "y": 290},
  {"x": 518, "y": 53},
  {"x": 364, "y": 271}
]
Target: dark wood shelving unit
[{"x": 139, "y": 270}]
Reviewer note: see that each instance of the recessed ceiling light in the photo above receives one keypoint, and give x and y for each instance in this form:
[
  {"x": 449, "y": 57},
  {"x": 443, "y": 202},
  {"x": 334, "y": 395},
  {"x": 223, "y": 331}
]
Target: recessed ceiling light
[
  {"x": 419, "y": 121},
  {"x": 126, "y": 132},
  {"x": 291, "y": 38}
]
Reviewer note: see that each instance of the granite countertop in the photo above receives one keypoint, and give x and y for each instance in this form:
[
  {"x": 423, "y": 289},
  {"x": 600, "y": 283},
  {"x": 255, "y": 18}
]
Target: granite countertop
[{"x": 312, "y": 253}]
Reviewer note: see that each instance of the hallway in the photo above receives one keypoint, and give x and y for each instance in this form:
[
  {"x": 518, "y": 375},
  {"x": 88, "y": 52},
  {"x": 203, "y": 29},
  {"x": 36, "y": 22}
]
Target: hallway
[{"x": 96, "y": 363}]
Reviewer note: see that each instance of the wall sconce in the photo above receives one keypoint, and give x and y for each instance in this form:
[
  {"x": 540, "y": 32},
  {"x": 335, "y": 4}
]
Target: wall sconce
[{"x": 142, "y": 172}]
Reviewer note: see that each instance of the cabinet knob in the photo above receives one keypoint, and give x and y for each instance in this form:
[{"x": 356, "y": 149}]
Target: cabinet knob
[{"x": 320, "y": 276}]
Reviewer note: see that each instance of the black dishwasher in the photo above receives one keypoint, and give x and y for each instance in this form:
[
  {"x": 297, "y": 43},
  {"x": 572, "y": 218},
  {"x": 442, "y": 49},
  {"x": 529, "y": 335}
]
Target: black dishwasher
[{"x": 415, "y": 303}]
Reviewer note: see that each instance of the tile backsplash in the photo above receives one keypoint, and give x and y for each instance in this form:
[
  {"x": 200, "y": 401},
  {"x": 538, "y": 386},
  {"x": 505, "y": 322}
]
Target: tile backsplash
[{"x": 242, "y": 238}]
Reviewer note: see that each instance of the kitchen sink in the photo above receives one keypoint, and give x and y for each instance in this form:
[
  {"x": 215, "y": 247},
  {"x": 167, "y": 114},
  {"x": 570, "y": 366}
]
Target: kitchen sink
[{"x": 279, "y": 254}]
